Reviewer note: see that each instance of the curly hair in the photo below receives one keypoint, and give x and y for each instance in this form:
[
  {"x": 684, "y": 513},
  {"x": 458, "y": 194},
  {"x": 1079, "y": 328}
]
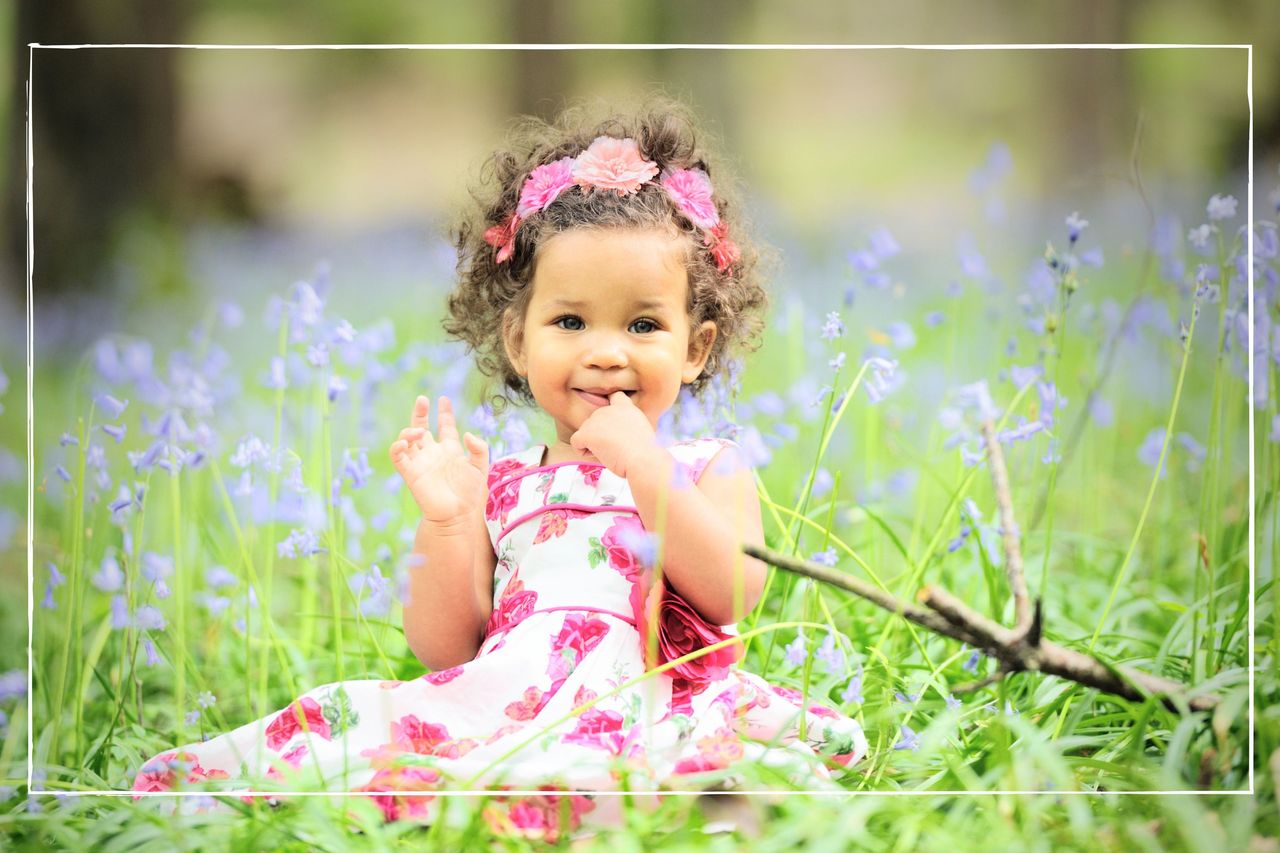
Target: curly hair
[{"x": 491, "y": 298}]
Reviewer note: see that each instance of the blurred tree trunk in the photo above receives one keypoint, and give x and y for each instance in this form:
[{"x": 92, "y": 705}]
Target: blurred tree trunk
[
  {"x": 103, "y": 131},
  {"x": 541, "y": 78}
]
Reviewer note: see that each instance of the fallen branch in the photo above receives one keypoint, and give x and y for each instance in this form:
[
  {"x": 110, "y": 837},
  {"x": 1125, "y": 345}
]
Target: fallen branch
[
  {"x": 999, "y": 642},
  {"x": 1018, "y": 649}
]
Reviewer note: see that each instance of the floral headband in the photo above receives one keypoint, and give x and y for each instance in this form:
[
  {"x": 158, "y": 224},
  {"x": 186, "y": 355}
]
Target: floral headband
[{"x": 616, "y": 164}]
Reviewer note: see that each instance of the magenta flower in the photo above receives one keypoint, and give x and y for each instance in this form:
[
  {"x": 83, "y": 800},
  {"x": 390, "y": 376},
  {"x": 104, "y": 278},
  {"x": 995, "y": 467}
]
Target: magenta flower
[
  {"x": 690, "y": 189},
  {"x": 544, "y": 186},
  {"x": 613, "y": 164}
]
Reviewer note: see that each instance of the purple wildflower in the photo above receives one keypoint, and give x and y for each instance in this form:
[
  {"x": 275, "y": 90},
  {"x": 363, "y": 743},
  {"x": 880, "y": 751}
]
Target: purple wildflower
[
  {"x": 116, "y": 431},
  {"x": 356, "y": 469},
  {"x": 68, "y": 439},
  {"x": 837, "y": 362},
  {"x": 833, "y": 327},
  {"x": 882, "y": 243},
  {"x": 109, "y": 577},
  {"x": 1023, "y": 376},
  {"x": 853, "y": 690},
  {"x": 1149, "y": 451},
  {"x": 953, "y": 702},
  {"x": 901, "y": 335},
  {"x": 1221, "y": 207},
  {"x": 150, "y": 648},
  {"x": 299, "y": 543},
  {"x": 112, "y": 408},
  {"x": 216, "y": 577},
  {"x": 908, "y": 740},
  {"x": 336, "y": 386},
  {"x": 971, "y": 665},
  {"x": 206, "y": 699},
  {"x": 1075, "y": 225},
  {"x": 13, "y": 684},
  {"x": 825, "y": 558},
  {"x": 934, "y": 319},
  {"x": 119, "y": 612},
  {"x": 796, "y": 654},
  {"x": 372, "y": 590},
  {"x": 880, "y": 377},
  {"x": 149, "y": 618},
  {"x": 831, "y": 654},
  {"x": 642, "y": 544},
  {"x": 1199, "y": 237},
  {"x": 905, "y": 698}
]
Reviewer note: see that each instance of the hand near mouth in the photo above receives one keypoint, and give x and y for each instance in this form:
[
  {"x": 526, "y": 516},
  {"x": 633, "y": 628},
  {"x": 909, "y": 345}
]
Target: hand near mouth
[{"x": 615, "y": 434}]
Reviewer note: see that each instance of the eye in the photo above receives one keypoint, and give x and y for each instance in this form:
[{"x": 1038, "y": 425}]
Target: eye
[
  {"x": 571, "y": 319},
  {"x": 648, "y": 326}
]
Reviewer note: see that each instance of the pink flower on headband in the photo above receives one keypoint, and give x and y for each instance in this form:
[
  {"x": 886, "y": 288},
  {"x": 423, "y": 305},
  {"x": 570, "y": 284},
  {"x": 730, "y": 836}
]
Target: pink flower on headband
[
  {"x": 690, "y": 189},
  {"x": 544, "y": 185},
  {"x": 503, "y": 237},
  {"x": 613, "y": 164},
  {"x": 723, "y": 250}
]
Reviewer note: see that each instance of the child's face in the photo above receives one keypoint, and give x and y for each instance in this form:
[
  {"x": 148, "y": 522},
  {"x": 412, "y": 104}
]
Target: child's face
[{"x": 607, "y": 313}]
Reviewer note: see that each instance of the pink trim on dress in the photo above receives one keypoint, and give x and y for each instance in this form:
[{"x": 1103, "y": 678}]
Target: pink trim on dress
[
  {"x": 575, "y": 608},
  {"x": 512, "y": 525}
]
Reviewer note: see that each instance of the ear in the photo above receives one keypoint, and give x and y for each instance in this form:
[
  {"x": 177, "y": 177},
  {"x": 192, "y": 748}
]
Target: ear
[
  {"x": 700, "y": 341},
  {"x": 513, "y": 342}
]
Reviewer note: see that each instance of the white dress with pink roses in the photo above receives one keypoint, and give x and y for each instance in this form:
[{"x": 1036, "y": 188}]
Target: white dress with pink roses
[{"x": 562, "y": 633}]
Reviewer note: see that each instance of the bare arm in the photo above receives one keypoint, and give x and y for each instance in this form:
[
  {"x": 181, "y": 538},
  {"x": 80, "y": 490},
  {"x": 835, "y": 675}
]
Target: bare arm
[
  {"x": 703, "y": 527},
  {"x": 449, "y": 595},
  {"x": 452, "y": 569}
]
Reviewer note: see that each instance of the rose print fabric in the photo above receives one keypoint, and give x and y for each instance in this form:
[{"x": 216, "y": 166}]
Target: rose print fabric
[{"x": 568, "y": 595}]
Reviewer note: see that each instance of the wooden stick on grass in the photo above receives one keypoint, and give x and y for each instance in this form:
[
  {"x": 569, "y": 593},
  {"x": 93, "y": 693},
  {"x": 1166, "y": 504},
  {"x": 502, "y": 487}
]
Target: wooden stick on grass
[{"x": 1018, "y": 649}]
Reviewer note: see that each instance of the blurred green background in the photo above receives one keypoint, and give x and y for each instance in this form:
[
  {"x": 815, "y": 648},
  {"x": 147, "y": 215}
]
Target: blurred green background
[{"x": 135, "y": 149}]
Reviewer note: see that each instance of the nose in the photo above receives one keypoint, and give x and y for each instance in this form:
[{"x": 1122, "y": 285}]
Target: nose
[{"x": 605, "y": 349}]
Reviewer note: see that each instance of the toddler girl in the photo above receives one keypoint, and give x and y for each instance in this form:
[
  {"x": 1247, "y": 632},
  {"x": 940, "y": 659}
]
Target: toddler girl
[{"x": 600, "y": 276}]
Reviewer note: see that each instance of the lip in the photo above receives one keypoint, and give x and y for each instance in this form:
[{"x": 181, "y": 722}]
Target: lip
[{"x": 600, "y": 396}]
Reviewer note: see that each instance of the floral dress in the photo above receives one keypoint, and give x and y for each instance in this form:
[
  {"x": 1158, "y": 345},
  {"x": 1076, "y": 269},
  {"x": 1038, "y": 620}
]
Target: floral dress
[{"x": 562, "y": 633}]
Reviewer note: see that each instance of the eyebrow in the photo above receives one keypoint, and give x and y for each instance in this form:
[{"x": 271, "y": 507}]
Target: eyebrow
[{"x": 642, "y": 305}]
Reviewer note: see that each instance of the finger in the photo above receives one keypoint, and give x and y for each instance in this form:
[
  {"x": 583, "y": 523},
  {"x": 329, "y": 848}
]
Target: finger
[
  {"x": 618, "y": 398},
  {"x": 447, "y": 426},
  {"x": 410, "y": 433},
  {"x": 478, "y": 450},
  {"x": 421, "y": 411},
  {"x": 397, "y": 450}
]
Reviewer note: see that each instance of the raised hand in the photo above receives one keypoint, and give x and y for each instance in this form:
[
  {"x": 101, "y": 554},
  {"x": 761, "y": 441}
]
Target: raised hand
[{"x": 448, "y": 482}]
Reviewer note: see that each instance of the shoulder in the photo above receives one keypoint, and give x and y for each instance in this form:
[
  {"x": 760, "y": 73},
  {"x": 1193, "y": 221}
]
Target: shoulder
[{"x": 709, "y": 457}]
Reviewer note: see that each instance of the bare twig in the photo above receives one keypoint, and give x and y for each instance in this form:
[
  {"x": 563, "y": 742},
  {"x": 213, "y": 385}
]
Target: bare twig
[
  {"x": 1013, "y": 650},
  {"x": 1008, "y": 531}
]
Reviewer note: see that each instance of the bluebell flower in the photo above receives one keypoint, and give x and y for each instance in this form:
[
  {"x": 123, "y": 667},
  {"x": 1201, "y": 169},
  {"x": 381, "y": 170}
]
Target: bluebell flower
[
  {"x": 1274, "y": 437},
  {"x": 68, "y": 439},
  {"x": 833, "y": 327},
  {"x": 934, "y": 319},
  {"x": 111, "y": 408},
  {"x": 300, "y": 542},
  {"x": 837, "y": 362},
  {"x": 642, "y": 544},
  {"x": 879, "y": 379},
  {"x": 119, "y": 612},
  {"x": 971, "y": 665},
  {"x": 825, "y": 558},
  {"x": 276, "y": 377},
  {"x": 515, "y": 433},
  {"x": 853, "y": 690},
  {"x": 863, "y": 260},
  {"x": 906, "y": 698},
  {"x": 1200, "y": 236},
  {"x": 356, "y": 468},
  {"x": 337, "y": 385},
  {"x": 1093, "y": 258},
  {"x": 156, "y": 566},
  {"x": 116, "y": 431},
  {"x": 958, "y": 541},
  {"x": 206, "y": 699},
  {"x": 109, "y": 577},
  {"x": 1149, "y": 450},
  {"x": 901, "y": 335},
  {"x": 796, "y": 654},
  {"x": 975, "y": 396},
  {"x": 62, "y": 473},
  {"x": 831, "y": 654},
  {"x": 13, "y": 684},
  {"x": 882, "y": 243},
  {"x": 372, "y": 590},
  {"x": 1100, "y": 411},
  {"x": 1221, "y": 207},
  {"x": 908, "y": 739},
  {"x": 1075, "y": 225},
  {"x": 150, "y": 648},
  {"x": 953, "y": 702},
  {"x": 230, "y": 315},
  {"x": 1023, "y": 376},
  {"x": 822, "y": 483},
  {"x": 192, "y": 717},
  {"x": 149, "y": 618}
]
